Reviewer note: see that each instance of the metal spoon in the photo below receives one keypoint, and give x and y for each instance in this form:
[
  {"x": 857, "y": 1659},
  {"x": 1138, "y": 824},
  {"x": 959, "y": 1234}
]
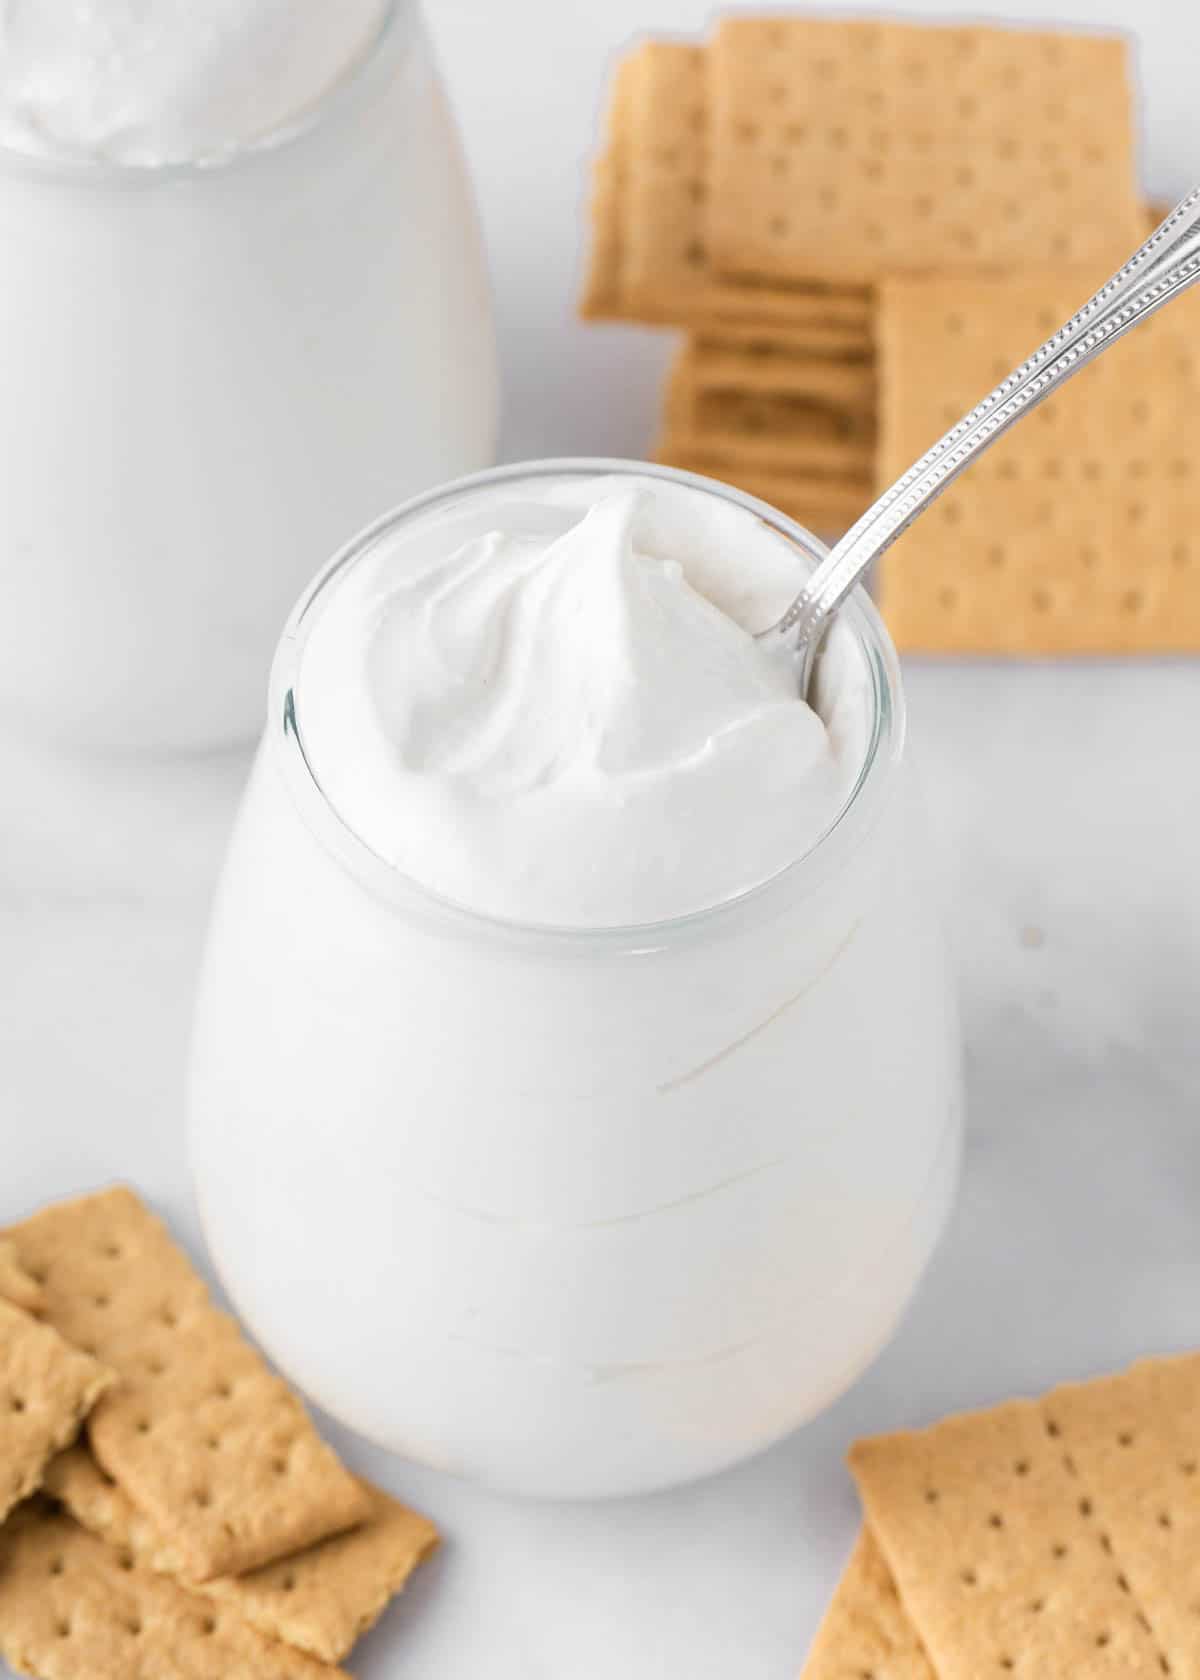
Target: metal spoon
[{"x": 1166, "y": 265}]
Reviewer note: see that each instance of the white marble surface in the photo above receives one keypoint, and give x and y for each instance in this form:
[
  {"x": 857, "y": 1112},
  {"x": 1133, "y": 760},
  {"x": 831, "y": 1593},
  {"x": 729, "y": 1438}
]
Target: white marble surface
[{"x": 1065, "y": 804}]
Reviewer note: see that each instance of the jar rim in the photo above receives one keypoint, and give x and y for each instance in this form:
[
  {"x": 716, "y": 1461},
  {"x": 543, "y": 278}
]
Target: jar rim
[
  {"x": 89, "y": 170},
  {"x": 384, "y": 879}
]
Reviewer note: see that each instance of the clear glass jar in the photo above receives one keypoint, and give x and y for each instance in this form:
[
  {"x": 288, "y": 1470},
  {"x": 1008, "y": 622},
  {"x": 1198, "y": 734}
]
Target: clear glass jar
[
  {"x": 212, "y": 372},
  {"x": 573, "y": 1213}
]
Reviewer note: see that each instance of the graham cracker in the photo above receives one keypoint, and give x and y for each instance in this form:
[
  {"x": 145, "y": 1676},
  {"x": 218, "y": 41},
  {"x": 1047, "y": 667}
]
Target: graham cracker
[
  {"x": 800, "y": 454},
  {"x": 47, "y": 1388},
  {"x": 1134, "y": 1442},
  {"x": 824, "y": 504},
  {"x": 1055, "y": 1537},
  {"x": 72, "y": 1608},
  {"x": 786, "y": 429},
  {"x": 1077, "y": 532},
  {"x": 852, "y": 148},
  {"x": 213, "y": 1447},
  {"x": 852, "y": 344},
  {"x": 865, "y": 1630},
  {"x": 602, "y": 288},
  {"x": 16, "y": 1285},
  {"x": 649, "y": 260},
  {"x": 811, "y": 445},
  {"x": 847, "y": 383},
  {"x": 320, "y": 1600}
]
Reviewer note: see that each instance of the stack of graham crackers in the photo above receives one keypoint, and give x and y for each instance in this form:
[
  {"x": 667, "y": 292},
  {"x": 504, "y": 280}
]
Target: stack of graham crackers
[
  {"x": 1053, "y": 1538},
  {"x": 203, "y": 1527},
  {"x": 862, "y": 226},
  {"x": 774, "y": 386}
]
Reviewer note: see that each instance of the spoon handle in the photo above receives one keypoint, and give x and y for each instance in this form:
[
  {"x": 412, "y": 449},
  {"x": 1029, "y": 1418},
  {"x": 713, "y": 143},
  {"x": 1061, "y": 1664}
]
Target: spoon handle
[{"x": 1167, "y": 264}]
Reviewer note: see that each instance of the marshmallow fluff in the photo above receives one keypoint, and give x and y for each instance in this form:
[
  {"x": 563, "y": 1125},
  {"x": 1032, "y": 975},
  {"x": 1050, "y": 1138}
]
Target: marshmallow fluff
[
  {"x": 555, "y": 710},
  {"x": 155, "y": 82}
]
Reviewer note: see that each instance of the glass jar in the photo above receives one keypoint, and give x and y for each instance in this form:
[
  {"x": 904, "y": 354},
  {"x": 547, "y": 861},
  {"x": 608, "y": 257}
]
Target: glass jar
[
  {"x": 212, "y": 372},
  {"x": 573, "y": 1213}
]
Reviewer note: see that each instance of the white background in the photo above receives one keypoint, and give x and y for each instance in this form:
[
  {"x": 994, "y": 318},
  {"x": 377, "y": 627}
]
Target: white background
[{"x": 1064, "y": 803}]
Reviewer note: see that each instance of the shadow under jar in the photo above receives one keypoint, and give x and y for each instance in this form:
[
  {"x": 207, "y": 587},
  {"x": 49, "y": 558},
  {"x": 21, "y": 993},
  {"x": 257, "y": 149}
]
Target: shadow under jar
[
  {"x": 212, "y": 371},
  {"x": 574, "y": 1213}
]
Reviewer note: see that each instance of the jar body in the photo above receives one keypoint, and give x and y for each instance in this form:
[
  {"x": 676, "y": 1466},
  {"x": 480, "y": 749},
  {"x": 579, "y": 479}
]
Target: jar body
[
  {"x": 211, "y": 374},
  {"x": 575, "y": 1217}
]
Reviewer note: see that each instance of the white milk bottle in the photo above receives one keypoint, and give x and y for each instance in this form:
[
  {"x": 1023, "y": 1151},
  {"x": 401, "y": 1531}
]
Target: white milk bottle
[{"x": 250, "y": 313}]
